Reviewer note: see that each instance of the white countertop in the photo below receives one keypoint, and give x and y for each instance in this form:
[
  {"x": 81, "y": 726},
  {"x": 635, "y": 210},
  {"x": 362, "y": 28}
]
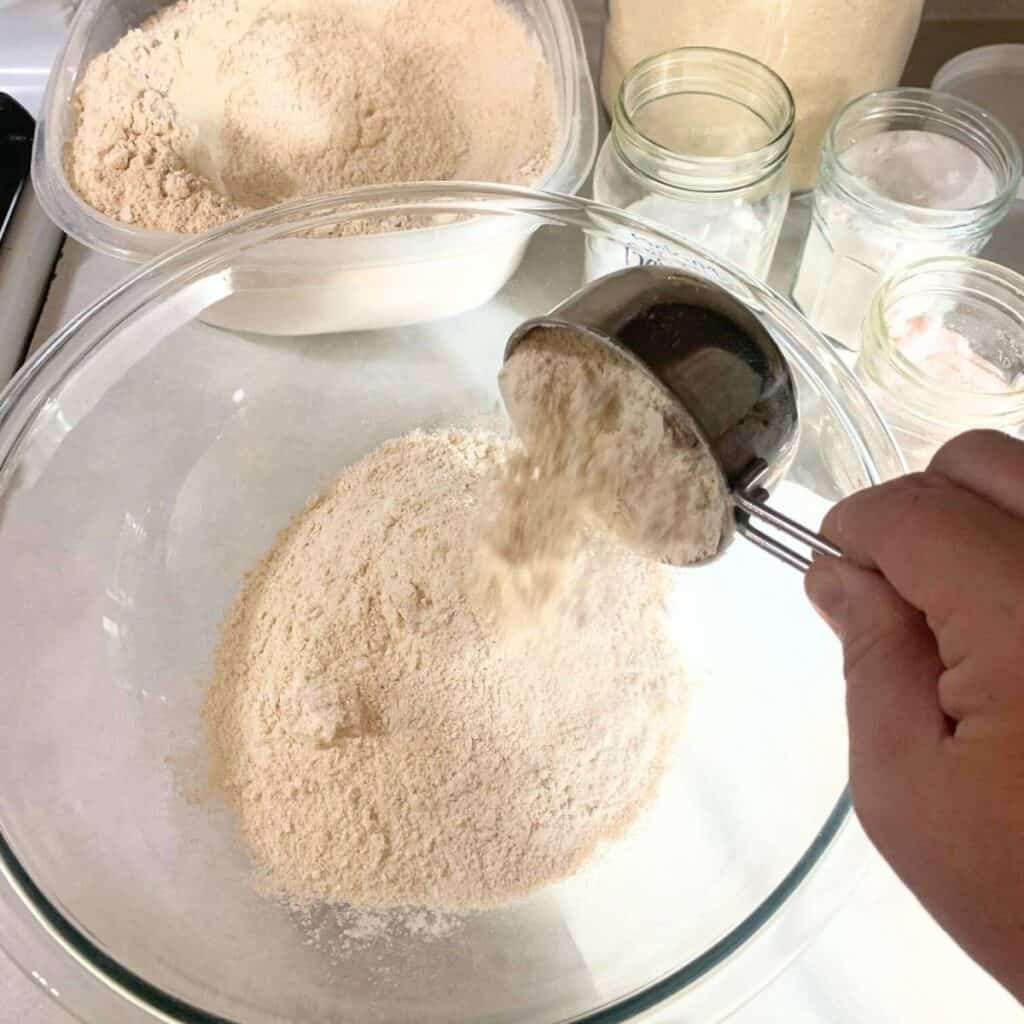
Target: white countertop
[{"x": 880, "y": 960}]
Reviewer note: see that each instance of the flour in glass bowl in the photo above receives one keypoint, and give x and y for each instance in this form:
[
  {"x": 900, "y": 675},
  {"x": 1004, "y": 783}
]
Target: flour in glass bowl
[{"x": 385, "y": 742}]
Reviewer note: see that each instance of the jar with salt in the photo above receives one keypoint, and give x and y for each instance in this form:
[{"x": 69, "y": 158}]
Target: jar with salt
[
  {"x": 699, "y": 142},
  {"x": 943, "y": 352},
  {"x": 905, "y": 174}
]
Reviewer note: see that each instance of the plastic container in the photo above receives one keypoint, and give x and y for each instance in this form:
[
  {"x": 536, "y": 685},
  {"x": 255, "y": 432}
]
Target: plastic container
[
  {"x": 826, "y": 52},
  {"x": 362, "y": 266},
  {"x": 943, "y": 352},
  {"x": 992, "y": 77},
  {"x": 722, "y": 181},
  {"x": 906, "y": 174},
  {"x": 147, "y": 460}
]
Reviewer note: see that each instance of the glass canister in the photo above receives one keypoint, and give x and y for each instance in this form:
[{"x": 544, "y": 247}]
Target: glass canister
[
  {"x": 699, "y": 143},
  {"x": 827, "y": 51},
  {"x": 905, "y": 175},
  {"x": 943, "y": 352}
]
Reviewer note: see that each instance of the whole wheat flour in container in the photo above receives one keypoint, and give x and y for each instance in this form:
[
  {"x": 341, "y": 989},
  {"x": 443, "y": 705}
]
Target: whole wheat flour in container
[
  {"x": 214, "y": 108},
  {"x": 386, "y": 742},
  {"x": 827, "y": 52}
]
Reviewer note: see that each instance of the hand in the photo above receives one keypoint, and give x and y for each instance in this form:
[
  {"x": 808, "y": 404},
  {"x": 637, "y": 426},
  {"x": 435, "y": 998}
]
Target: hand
[{"x": 928, "y": 602}]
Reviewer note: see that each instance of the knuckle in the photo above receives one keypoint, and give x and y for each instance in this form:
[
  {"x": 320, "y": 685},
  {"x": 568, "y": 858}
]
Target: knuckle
[
  {"x": 962, "y": 449},
  {"x": 868, "y": 514}
]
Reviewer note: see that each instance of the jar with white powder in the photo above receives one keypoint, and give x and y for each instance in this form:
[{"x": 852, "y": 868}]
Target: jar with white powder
[
  {"x": 905, "y": 175},
  {"x": 943, "y": 352},
  {"x": 699, "y": 142},
  {"x": 826, "y": 51}
]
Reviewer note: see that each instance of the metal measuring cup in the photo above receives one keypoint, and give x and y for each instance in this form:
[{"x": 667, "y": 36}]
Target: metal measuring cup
[{"x": 727, "y": 381}]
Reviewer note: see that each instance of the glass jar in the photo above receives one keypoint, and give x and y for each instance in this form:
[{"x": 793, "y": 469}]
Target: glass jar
[
  {"x": 905, "y": 175},
  {"x": 943, "y": 352},
  {"x": 698, "y": 143},
  {"x": 827, "y": 52}
]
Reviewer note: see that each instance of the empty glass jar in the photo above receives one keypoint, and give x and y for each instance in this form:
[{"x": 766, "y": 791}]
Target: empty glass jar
[
  {"x": 943, "y": 351},
  {"x": 699, "y": 143}
]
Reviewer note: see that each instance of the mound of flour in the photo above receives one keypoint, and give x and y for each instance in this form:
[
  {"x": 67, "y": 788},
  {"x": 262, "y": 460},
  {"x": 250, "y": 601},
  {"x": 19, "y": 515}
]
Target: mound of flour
[{"x": 385, "y": 744}]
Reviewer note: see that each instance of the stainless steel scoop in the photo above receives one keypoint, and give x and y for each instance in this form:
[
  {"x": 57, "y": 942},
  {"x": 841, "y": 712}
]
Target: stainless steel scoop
[{"x": 729, "y": 383}]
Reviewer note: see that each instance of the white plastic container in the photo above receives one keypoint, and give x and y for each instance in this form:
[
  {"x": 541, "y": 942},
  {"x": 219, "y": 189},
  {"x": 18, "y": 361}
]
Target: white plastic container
[
  {"x": 992, "y": 77},
  {"x": 371, "y": 282},
  {"x": 362, "y": 285}
]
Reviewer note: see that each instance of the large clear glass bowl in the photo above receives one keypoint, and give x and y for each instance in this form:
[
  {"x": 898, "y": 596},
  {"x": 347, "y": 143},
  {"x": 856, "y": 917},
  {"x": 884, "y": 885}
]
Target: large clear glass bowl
[{"x": 147, "y": 459}]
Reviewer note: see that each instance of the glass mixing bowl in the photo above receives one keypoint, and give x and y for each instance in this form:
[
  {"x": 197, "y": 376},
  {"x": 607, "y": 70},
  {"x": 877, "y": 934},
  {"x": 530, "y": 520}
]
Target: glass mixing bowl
[{"x": 147, "y": 459}]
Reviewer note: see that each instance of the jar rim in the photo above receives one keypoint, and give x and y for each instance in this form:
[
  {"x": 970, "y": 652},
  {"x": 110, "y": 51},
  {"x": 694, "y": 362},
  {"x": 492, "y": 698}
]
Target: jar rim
[
  {"x": 983, "y": 278},
  {"x": 662, "y": 75},
  {"x": 964, "y": 121}
]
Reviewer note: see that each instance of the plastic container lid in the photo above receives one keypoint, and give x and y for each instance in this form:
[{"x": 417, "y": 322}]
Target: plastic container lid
[{"x": 992, "y": 77}]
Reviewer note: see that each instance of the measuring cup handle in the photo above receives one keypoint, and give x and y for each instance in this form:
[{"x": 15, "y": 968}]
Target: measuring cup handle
[{"x": 749, "y": 503}]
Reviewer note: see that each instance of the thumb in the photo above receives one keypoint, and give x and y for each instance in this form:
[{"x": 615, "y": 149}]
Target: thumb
[{"x": 891, "y": 664}]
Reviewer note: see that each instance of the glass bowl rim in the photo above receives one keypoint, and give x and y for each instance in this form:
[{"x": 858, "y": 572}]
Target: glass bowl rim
[{"x": 165, "y": 275}]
